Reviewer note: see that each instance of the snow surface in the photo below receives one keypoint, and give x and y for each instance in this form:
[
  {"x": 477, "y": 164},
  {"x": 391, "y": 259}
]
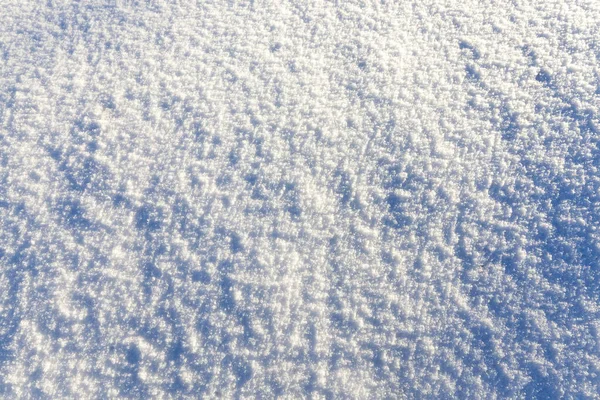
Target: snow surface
[{"x": 303, "y": 198}]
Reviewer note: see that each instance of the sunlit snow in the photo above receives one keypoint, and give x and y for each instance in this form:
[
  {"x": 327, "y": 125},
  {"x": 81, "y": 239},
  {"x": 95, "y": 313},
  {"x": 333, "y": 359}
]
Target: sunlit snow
[{"x": 299, "y": 199}]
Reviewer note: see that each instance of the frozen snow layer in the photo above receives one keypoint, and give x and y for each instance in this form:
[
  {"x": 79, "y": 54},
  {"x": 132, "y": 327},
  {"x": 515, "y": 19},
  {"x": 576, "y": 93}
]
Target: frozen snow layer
[{"x": 325, "y": 199}]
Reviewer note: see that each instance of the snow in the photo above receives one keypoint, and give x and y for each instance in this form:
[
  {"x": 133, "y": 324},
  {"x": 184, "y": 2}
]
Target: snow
[{"x": 325, "y": 199}]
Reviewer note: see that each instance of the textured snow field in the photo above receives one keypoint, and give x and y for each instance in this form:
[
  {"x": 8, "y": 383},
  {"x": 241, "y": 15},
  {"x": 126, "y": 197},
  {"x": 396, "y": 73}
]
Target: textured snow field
[{"x": 318, "y": 199}]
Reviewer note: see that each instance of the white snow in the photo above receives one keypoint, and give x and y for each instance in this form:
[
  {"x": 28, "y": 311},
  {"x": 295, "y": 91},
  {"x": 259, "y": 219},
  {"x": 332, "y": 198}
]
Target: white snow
[{"x": 323, "y": 199}]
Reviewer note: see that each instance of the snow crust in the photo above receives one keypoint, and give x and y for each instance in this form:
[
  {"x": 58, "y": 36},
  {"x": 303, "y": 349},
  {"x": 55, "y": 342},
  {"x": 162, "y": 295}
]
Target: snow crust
[{"x": 322, "y": 199}]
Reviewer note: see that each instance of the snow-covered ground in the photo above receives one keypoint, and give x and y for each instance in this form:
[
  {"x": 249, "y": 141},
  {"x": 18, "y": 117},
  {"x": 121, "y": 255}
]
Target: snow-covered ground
[{"x": 321, "y": 199}]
